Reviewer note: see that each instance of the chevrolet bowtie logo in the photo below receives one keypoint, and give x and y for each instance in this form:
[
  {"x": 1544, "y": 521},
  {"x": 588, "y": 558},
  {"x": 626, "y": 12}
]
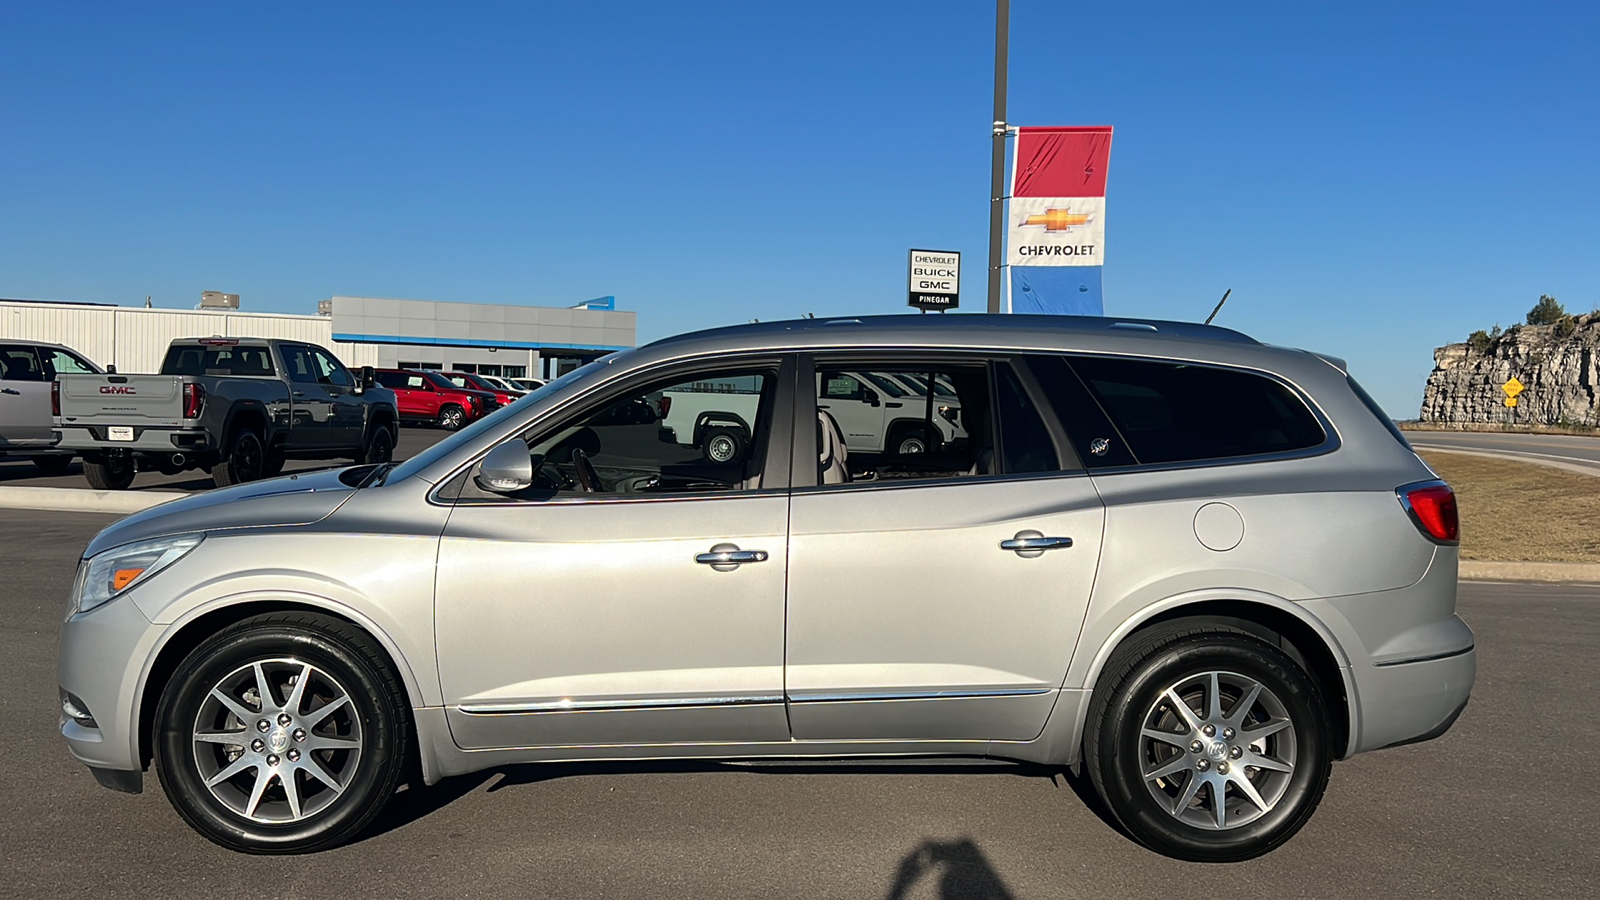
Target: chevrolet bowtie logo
[{"x": 1058, "y": 219}]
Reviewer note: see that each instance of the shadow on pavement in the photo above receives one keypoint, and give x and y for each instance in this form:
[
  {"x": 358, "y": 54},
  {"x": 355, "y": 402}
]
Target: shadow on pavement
[{"x": 961, "y": 871}]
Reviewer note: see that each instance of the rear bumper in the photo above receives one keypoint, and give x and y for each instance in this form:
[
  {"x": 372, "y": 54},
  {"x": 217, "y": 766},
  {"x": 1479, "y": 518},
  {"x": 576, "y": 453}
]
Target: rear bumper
[
  {"x": 146, "y": 439},
  {"x": 1408, "y": 702}
]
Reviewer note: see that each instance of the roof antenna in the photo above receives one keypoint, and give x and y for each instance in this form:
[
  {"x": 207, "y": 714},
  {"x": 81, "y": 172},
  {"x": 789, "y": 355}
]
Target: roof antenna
[{"x": 1219, "y": 306}]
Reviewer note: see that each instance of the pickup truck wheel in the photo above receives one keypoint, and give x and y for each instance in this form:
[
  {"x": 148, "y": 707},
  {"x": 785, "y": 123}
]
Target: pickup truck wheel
[
  {"x": 723, "y": 445},
  {"x": 380, "y": 447},
  {"x": 912, "y": 440},
  {"x": 452, "y": 417},
  {"x": 272, "y": 463},
  {"x": 52, "y": 465},
  {"x": 245, "y": 461},
  {"x": 109, "y": 473}
]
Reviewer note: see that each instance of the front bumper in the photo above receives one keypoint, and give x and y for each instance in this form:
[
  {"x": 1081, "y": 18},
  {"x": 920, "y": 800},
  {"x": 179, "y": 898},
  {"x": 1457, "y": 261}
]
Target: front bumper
[{"x": 100, "y": 661}]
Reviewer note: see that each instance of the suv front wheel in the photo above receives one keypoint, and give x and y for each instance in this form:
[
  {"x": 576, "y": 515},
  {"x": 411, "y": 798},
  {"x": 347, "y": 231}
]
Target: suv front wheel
[
  {"x": 1209, "y": 744},
  {"x": 283, "y": 733}
]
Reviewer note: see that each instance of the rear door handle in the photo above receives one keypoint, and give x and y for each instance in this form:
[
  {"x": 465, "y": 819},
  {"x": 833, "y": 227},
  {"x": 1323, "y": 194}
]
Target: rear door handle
[
  {"x": 1033, "y": 543},
  {"x": 10, "y": 391},
  {"x": 727, "y": 557}
]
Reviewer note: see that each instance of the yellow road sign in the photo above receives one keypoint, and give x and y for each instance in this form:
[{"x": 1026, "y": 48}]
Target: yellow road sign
[
  {"x": 1511, "y": 401},
  {"x": 1512, "y": 389}
]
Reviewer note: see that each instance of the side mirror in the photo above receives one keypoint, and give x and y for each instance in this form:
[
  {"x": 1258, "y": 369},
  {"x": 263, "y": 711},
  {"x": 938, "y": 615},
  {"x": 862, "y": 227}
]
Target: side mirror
[
  {"x": 507, "y": 469},
  {"x": 871, "y": 397},
  {"x": 111, "y": 370},
  {"x": 368, "y": 377}
]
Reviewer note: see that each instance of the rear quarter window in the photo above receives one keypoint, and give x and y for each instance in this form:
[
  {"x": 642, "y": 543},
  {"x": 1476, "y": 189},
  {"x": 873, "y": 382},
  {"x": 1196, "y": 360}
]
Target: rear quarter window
[{"x": 1176, "y": 412}]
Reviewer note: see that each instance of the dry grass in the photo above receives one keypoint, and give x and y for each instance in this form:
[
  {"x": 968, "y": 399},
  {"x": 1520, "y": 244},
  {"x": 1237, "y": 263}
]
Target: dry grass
[{"x": 1522, "y": 512}]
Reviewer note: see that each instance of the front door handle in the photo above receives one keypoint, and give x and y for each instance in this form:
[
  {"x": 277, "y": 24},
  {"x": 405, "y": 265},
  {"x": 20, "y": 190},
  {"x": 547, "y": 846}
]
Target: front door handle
[
  {"x": 1033, "y": 543},
  {"x": 727, "y": 557}
]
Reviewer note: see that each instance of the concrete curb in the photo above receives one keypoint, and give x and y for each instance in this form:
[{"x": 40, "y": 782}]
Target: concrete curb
[
  {"x": 1550, "y": 572},
  {"x": 83, "y": 500}
]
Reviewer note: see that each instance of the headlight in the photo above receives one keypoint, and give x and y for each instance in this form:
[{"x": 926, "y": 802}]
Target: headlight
[{"x": 117, "y": 570}]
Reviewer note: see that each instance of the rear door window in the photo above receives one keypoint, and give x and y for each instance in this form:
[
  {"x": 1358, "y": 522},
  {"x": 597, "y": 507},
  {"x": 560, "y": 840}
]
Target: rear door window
[
  {"x": 1177, "y": 412},
  {"x": 20, "y": 364}
]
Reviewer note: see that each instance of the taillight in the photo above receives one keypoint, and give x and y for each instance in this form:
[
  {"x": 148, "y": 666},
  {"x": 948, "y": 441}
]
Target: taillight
[
  {"x": 55, "y": 398},
  {"x": 1432, "y": 506},
  {"x": 666, "y": 406},
  {"x": 194, "y": 398}
]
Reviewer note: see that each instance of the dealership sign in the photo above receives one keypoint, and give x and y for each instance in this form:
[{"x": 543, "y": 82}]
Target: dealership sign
[{"x": 934, "y": 281}]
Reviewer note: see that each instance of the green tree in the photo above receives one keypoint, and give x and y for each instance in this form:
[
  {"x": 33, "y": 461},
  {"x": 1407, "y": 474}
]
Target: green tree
[
  {"x": 1479, "y": 341},
  {"x": 1547, "y": 311}
]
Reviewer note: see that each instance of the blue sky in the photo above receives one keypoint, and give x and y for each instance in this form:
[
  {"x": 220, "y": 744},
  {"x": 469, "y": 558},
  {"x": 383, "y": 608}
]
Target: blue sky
[{"x": 1371, "y": 180}]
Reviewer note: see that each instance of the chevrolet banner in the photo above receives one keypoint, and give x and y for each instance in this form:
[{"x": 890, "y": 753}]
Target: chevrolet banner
[{"x": 1055, "y": 242}]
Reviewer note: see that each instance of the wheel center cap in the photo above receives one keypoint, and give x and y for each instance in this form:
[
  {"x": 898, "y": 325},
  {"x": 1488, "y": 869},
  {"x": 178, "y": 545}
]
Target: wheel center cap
[
  {"x": 1217, "y": 750},
  {"x": 278, "y": 740}
]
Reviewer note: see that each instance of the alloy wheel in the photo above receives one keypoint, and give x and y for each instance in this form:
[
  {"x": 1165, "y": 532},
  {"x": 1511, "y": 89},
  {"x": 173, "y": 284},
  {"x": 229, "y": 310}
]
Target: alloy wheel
[
  {"x": 1217, "y": 750},
  {"x": 277, "y": 741}
]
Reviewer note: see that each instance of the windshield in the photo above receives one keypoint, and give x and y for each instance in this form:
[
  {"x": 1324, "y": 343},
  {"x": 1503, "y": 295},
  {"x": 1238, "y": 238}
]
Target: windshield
[{"x": 488, "y": 423}]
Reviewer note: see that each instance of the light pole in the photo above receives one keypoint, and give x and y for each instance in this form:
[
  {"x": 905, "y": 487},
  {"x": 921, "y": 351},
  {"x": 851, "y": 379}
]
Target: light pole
[{"x": 997, "y": 165}]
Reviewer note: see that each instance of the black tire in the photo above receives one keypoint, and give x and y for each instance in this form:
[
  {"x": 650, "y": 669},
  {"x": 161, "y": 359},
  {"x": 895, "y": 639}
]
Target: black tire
[
  {"x": 343, "y": 660},
  {"x": 272, "y": 465},
  {"x": 54, "y": 464},
  {"x": 244, "y": 460},
  {"x": 379, "y": 447},
  {"x": 723, "y": 445},
  {"x": 912, "y": 440},
  {"x": 109, "y": 473},
  {"x": 1119, "y": 751},
  {"x": 451, "y": 417}
]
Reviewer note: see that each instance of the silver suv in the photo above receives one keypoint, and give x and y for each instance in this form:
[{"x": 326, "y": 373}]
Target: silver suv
[{"x": 1197, "y": 567}]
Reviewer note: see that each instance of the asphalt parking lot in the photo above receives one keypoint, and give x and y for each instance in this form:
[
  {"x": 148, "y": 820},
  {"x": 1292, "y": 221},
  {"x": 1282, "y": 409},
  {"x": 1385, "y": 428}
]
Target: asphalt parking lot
[{"x": 1502, "y": 806}]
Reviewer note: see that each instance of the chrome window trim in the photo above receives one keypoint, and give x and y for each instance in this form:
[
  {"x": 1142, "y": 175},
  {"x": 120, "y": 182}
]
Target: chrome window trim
[{"x": 900, "y": 484}]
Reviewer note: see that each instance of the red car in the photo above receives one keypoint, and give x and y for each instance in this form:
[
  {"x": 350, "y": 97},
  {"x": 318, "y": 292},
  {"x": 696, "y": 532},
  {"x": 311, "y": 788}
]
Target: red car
[
  {"x": 429, "y": 397},
  {"x": 473, "y": 382}
]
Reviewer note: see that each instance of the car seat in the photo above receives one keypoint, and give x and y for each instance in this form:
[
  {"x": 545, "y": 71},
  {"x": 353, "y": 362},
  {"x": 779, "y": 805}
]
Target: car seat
[{"x": 831, "y": 460}]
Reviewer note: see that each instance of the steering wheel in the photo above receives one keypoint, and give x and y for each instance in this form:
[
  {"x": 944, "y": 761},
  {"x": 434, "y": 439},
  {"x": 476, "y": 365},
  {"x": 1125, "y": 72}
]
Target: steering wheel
[{"x": 588, "y": 478}]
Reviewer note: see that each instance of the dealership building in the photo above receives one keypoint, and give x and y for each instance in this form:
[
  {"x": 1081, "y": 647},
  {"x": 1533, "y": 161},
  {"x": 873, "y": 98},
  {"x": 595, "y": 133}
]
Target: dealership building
[{"x": 494, "y": 339}]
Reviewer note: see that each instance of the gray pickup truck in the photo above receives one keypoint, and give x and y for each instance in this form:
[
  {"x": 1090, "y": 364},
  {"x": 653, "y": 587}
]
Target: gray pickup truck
[{"x": 235, "y": 407}]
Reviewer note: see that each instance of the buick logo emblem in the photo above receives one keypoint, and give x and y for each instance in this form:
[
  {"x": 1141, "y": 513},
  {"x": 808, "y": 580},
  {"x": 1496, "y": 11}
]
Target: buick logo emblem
[{"x": 1099, "y": 446}]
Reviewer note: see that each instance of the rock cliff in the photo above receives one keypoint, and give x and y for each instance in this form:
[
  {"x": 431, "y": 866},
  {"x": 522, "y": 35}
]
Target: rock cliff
[{"x": 1558, "y": 364}]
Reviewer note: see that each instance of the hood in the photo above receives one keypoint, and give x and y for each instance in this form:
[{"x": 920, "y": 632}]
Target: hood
[{"x": 290, "y": 500}]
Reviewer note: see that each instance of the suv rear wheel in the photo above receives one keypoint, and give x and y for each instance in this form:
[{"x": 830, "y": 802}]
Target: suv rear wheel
[
  {"x": 1209, "y": 744},
  {"x": 283, "y": 733}
]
